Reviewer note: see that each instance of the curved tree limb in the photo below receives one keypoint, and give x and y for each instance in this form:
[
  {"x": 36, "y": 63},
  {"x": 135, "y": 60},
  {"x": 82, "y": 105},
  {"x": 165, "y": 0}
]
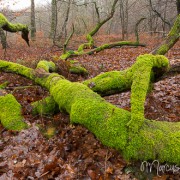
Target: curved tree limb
[
  {"x": 7, "y": 26},
  {"x": 136, "y": 28},
  {"x": 89, "y": 36},
  {"x": 100, "y": 48}
]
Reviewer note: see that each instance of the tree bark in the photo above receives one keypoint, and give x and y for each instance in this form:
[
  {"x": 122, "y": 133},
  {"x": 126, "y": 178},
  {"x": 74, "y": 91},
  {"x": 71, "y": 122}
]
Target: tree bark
[
  {"x": 178, "y": 6},
  {"x": 33, "y": 21},
  {"x": 3, "y": 39},
  {"x": 53, "y": 19}
]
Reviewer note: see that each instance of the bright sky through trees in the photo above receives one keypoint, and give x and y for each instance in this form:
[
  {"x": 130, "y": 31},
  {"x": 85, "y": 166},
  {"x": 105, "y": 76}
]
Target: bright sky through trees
[{"x": 20, "y": 4}]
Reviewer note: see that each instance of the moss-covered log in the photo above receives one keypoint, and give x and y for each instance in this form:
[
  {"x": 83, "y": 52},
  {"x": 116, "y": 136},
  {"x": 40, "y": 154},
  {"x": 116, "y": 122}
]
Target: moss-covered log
[
  {"x": 7, "y": 26},
  {"x": 10, "y": 115},
  {"x": 154, "y": 140},
  {"x": 46, "y": 106}
]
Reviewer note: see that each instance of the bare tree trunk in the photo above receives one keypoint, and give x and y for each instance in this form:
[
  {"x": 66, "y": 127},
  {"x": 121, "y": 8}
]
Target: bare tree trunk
[
  {"x": 64, "y": 26},
  {"x": 159, "y": 14},
  {"x": 178, "y": 6},
  {"x": 3, "y": 39},
  {"x": 53, "y": 19},
  {"x": 33, "y": 21},
  {"x": 124, "y": 18}
]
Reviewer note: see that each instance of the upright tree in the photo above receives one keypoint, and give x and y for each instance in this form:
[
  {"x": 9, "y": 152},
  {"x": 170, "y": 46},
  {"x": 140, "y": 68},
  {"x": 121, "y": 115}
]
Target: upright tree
[
  {"x": 178, "y": 6},
  {"x": 33, "y": 21},
  {"x": 53, "y": 19}
]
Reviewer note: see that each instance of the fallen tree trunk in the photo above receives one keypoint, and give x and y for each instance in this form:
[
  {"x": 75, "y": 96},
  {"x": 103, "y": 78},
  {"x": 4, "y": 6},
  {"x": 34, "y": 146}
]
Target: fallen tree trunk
[{"x": 154, "y": 139}]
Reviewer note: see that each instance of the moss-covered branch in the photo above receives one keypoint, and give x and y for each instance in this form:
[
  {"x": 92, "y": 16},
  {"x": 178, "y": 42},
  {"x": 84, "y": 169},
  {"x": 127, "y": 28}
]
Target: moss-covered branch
[
  {"x": 154, "y": 140},
  {"x": 46, "y": 106},
  {"x": 171, "y": 39},
  {"x": 10, "y": 115},
  {"x": 90, "y": 35},
  {"x": 100, "y": 48},
  {"x": 7, "y": 26}
]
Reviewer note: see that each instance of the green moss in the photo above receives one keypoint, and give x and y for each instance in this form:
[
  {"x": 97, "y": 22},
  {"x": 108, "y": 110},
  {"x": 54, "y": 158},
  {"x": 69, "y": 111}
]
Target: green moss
[
  {"x": 48, "y": 66},
  {"x": 110, "y": 82},
  {"x": 46, "y": 106},
  {"x": 78, "y": 70},
  {"x": 7, "y": 26},
  {"x": 4, "y": 85},
  {"x": 140, "y": 86},
  {"x": 176, "y": 28},
  {"x": 163, "y": 49},
  {"x": 17, "y": 68},
  {"x": 155, "y": 140},
  {"x": 10, "y": 115},
  {"x": 67, "y": 55},
  {"x": 81, "y": 47}
]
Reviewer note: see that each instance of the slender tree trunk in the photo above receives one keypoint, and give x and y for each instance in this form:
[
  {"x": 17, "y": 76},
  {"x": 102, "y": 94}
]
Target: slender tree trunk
[
  {"x": 64, "y": 26},
  {"x": 178, "y": 6},
  {"x": 3, "y": 38},
  {"x": 33, "y": 21},
  {"x": 124, "y": 18},
  {"x": 53, "y": 19}
]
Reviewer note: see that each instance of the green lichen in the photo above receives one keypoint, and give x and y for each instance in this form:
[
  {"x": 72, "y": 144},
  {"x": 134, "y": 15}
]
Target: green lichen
[
  {"x": 10, "y": 115},
  {"x": 46, "y": 106},
  {"x": 48, "y": 66}
]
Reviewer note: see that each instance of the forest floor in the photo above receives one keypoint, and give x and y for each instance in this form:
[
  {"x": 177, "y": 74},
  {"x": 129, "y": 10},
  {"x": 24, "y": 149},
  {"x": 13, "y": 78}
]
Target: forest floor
[{"x": 73, "y": 152}]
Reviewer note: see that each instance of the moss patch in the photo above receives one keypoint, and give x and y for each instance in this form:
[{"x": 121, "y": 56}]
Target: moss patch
[
  {"x": 48, "y": 66},
  {"x": 10, "y": 115},
  {"x": 46, "y": 106}
]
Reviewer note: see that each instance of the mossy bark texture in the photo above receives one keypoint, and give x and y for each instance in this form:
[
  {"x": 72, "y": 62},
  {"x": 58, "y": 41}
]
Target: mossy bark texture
[
  {"x": 111, "y": 125},
  {"x": 46, "y": 106},
  {"x": 7, "y": 26},
  {"x": 10, "y": 115}
]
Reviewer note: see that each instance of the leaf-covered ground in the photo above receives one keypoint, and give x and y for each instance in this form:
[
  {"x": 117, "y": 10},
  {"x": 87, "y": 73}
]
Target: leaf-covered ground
[{"x": 73, "y": 152}]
